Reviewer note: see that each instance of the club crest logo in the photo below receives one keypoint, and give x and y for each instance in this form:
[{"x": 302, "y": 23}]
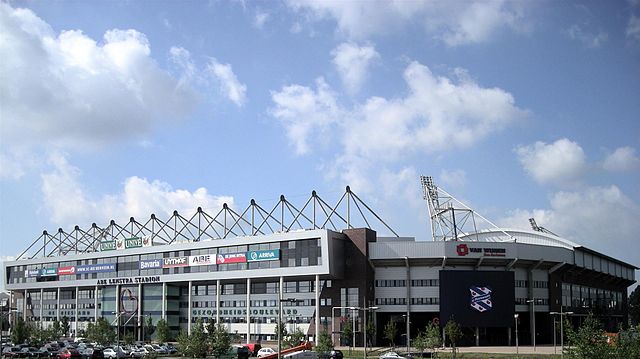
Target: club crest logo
[{"x": 481, "y": 299}]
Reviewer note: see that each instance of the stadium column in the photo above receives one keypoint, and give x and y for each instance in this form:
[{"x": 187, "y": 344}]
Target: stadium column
[
  {"x": 41, "y": 306},
  {"x": 24, "y": 305},
  {"x": 140, "y": 322},
  {"x": 248, "y": 309},
  {"x": 189, "y": 309},
  {"x": 164, "y": 300},
  {"x": 406, "y": 259},
  {"x": 76, "y": 315},
  {"x": 317, "y": 332},
  {"x": 217, "y": 301},
  {"x": 57, "y": 305},
  {"x": 95, "y": 305},
  {"x": 531, "y": 313}
]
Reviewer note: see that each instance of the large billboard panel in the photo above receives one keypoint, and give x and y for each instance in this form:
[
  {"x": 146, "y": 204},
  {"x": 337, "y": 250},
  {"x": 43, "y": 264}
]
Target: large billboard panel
[{"x": 477, "y": 298}]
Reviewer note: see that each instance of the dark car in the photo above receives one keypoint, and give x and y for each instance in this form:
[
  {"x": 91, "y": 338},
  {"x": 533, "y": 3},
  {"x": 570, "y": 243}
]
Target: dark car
[
  {"x": 253, "y": 348},
  {"x": 12, "y": 352},
  {"x": 92, "y": 353},
  {"x": 243, "y": 353},
  {"x": 30, "y": 352},
  {"x": 69, "y": 353},
  {"x": 333, "y": 354}
]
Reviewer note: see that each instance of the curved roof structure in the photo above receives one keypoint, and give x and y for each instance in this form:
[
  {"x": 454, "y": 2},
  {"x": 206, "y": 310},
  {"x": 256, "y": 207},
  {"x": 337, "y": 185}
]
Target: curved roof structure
[{"x": 519, "y": 236}]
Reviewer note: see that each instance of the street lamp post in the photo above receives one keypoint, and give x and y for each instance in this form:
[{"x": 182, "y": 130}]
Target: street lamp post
[
  {"x": 333, "y": 327},
  {"x": 280, "y": 300},
  {"x": 515, "y": 316},
  {"x": 117, "y": 332},
  {"x": 406, "y": 317},
  {"x": 561, "y": 314},
  {"x": 533, "y": 304},
  {"x": 365, "y": 310}
]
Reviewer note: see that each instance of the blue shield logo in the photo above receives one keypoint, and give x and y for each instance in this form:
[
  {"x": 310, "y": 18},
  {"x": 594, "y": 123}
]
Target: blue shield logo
[{"x": 481, "y": 299}]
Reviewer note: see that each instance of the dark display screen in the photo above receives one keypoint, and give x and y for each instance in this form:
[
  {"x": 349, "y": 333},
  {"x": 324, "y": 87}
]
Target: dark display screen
[{"x": 477, "y": 298}]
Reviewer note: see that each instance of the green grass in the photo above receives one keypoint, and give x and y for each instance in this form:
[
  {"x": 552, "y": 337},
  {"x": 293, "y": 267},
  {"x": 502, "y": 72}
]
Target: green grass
[{"x": 358, "y": 354}]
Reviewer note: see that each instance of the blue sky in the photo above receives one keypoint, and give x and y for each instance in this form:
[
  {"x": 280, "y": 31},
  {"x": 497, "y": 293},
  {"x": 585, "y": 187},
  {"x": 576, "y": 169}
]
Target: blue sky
[{"x": 521, "y": 109}]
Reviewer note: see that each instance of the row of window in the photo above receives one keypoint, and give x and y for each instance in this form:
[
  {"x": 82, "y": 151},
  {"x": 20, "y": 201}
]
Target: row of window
[
  {"x": 403, "y": 283},
  {"x": 391, "y": 301},
  {"x": 539, "y": 301},
  {"x": 520, "y": 283}
]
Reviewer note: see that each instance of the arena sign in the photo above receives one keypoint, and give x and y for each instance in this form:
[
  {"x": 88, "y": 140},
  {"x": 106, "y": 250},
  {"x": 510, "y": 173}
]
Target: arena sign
[
  {"x": 96, "y": 268},
  {"x": 129, "y": 280},
  {"x": 476, "y": 250},
  {"x": 268, "y": 255},
  {"x": 242, "y": 312}
]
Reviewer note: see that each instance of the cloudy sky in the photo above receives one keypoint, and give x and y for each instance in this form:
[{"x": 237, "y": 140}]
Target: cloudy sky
[{"x": 521, "y": 109}]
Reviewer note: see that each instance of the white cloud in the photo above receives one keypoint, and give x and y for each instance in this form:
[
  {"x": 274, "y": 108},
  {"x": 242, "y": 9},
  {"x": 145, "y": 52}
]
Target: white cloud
[
  {"x": 602, "y": 218},
  {"x": 260, "y": 19},
  {"x": 588, "y": 39},
  {"x": 68, "y": 89},
  {"x": 437, "y": 114},
  {"x": 302, "y": 110},
  {"x": 561, "y": 162},
  {"x": 229, "y": 84},
  {"x": 67, "y": 203},
  {"x": 352, "y": 63},
  {"x": 455, "y": 23},
  {"x": 453, "y": 178},
  {"x": 633, "y": 28},
  {"x": 622, "y": 159}
]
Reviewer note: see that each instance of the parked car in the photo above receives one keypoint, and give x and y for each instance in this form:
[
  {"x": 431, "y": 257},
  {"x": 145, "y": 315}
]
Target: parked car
[
  {"x": 254, "y": 348},
  {"x": 391, "y": 355},
  {"x": 92, "y": 353},
  {"x": 12, "y": 352},
  {"x": 333, "y": 354},
  {"x": 242, "y": 352},
  {"x": 110, "y": 353},
  {"x": 265, "y": 351},
  {"x": 169, "y": 348},
  {"x": 69, "y": 353},
  {"x": 30, "y": 352}
]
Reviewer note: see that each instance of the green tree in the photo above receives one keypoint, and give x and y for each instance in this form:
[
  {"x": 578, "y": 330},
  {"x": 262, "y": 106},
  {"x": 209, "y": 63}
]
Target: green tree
[
  {"x": 20, "y": 332},
  {"x": 128, "y": 339},
  {"x": 64, "y": 326},
  {"x": 634, "y": 306},
  {"x": 347, "y": 333},
  {"x": 164, "y": 333},
  {"x": 294, "y": 338},
  {"x": 196, "y": 343},
  {"x": 101, "y": 332},
  {"x": 433, "y": 338},
  {"x": 184, "y": 343},
  {"x": 453, "y": 333},
  {"x": 420, "y": 342},
  {"x": 282, "y": 329},
  {"x": 56, "y": 330},
  {"x": 628, "y": 343},
  {"x": 220, "y": 340},
  {"x": 324, "y": 343},
  {"x": 39, "y": 335},
  {"x": 589, "y": 341},
  {"x": 390, "y": 332},
  {"x": 371, "y": 331},
  {"x": 149, "y": 329}
]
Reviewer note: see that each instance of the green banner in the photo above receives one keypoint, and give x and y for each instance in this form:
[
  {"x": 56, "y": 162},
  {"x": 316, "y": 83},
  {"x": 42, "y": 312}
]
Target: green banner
[
  {"x": 108, "y": 246},
  {"x": 135, "y": 242}
]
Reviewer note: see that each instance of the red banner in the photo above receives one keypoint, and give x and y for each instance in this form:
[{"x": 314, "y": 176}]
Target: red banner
[
  {"x": 227, "y": 258},
  {"x": 66, "y": 270}
]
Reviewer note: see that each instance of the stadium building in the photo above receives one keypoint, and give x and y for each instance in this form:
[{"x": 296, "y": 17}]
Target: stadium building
[{"x": 320, "y": 267}]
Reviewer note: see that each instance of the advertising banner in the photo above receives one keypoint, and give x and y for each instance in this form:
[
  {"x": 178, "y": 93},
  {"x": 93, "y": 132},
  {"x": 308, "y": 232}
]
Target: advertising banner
[
  {"x": 202, "y": 260},
  {"x": 146, "y": 241},
  {"x": 477, "y": 298},
  {"x": 66, "y": 270},
  {"x": 175, "y": 262},
  {"x": 48, "y": 272},
  {"x": 96, "y": 268},
  {"x": 32, "y": 273},
  {"x": 268, "y": 255},
  {"x": 108, "y": 246},
  {"x": 227, "y": 258},
  {"x": 135, "y": 242},
  {"x": 150, "y": 263}
]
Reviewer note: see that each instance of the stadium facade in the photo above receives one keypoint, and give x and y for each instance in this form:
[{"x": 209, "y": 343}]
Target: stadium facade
[{"x": 242, "y": 269}]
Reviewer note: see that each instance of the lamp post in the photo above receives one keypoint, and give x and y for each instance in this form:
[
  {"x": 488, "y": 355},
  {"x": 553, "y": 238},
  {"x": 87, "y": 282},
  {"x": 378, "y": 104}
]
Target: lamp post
[
  {"x": 533, "y": 305},
  {"x": 515, "y": 316},
  {"x": 333, "y": 327},
  {"x": 280, "y": 300},
  {"x": 365, "y": 310},
  {"x": 561, "y": 314},
  {"x": 406, "y": 317}
]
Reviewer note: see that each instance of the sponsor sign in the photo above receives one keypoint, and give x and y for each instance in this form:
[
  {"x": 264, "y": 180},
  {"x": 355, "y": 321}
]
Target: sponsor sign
[
  {"x": 150, "y": 263},
  {"x": 146, "y": 241},
  {"x": 32, "y": 273},
  {"x": 108, "y": 246},
  {"x": 135, "y": 242},
  {"x": 48, "y": 272},
  {"x": 66, "y": 270},
  {"x": 129, "y": 280},
  {"x": 481, "y": 298},
  {"x": 96, "y": 268},
  {"x": 227, "y": 258},
  {"x": 465, "y": 249},
  {"x": 268, "y": 255},
  {"x": 175, "y": 262},
  {"x": 202, "y": 260}
]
